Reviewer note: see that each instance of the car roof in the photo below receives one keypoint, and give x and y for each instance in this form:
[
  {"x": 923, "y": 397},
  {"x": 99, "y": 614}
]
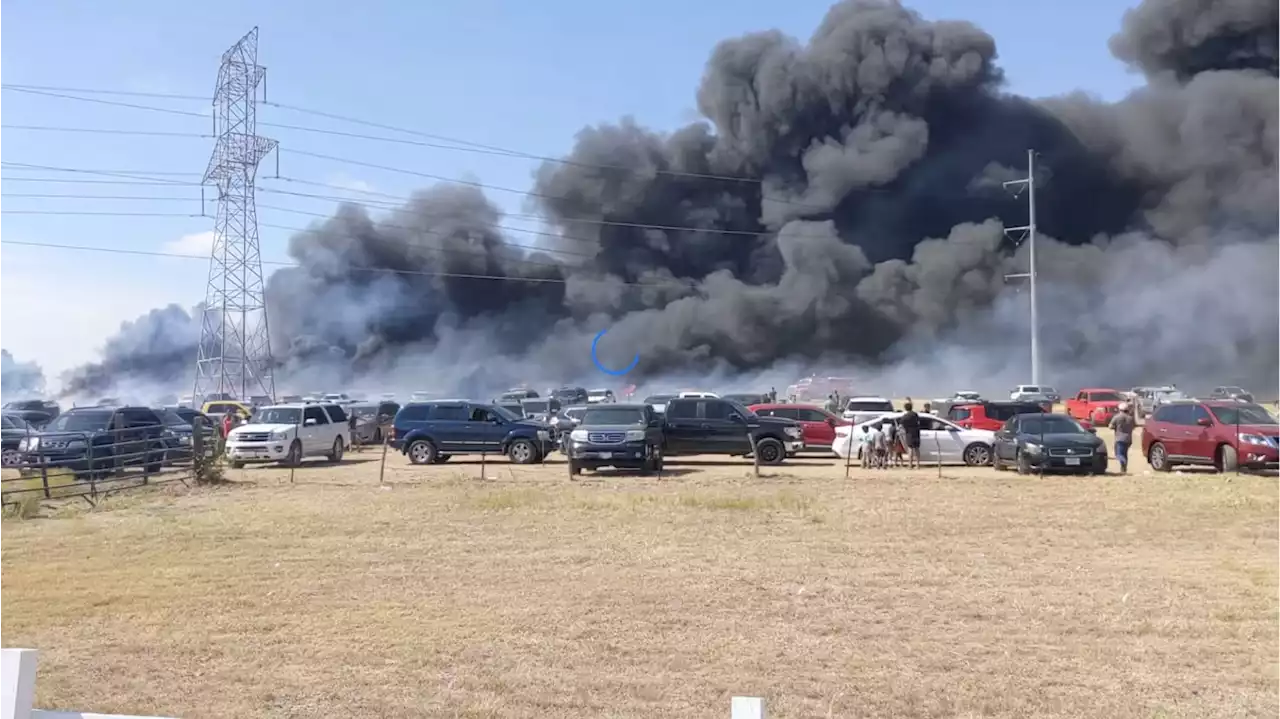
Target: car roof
[
  {"x": 865, "y": 398},
  {"x": 625, "y": 405},
  {"x": 1046, "y": 415},
  {"x": 1098, "y": 389}
]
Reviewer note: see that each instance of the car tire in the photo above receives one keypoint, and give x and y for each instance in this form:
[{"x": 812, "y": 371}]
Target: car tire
[
  {"x": 155, "y": 460},
  {"x": 335, "y": 454},
  {"x": 977, "y": 455},
  {"x": 996, "y": 463},
  {"x": 1158, "y": 458},
  {"x": 294, "y": 457},
  {"x": 1099, "y": 469},
  {"x": 522, "y": 451},
  {"x": 770, "y": 451},
  {"x": 421, "y": 451},
  {"x": 441, "y": 458},
  {"x": 574, "y": 469},
  {"x": 236, "y": 465},
  {"x": 377, "y": 436},
  {"x": 1228, "y": 459},
  {"x": 12, "y": 458},
  {"x": 1024, "y": 464}
]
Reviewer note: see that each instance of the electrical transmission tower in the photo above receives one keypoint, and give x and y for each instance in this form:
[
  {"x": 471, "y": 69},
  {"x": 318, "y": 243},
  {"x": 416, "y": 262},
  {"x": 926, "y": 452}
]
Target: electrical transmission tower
[
  {"x": 1028, "y": 233},
  {"x": 235, "y": 348}
]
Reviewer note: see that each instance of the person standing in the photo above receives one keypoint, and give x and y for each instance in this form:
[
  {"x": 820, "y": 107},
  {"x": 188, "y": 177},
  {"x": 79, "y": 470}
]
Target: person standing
[
  {"x": 909, "y": 422},
  {"x": 867, "y": 442},
  {"x": 1122, "y": 424},
  {"x": 773, "y": 395}
]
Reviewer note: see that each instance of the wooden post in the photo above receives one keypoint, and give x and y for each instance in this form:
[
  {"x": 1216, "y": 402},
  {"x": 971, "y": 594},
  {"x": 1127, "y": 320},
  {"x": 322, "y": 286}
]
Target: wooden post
[
  {"x": 382, "y": 468},
  {"x": 746, "y": 708},
  {"x": 44, "y": 476},
  {"x": 751, "y": 437},
  {"x": 848, "y": 457},
  {"x": 483, "y": 455}
]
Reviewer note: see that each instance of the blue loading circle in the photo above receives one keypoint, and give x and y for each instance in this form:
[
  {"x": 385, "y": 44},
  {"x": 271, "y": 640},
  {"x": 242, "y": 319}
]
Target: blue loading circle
[{"x": 615, "y": 372}]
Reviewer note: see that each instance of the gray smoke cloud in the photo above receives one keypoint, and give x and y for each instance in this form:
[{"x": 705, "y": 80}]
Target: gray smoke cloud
[
  {"x": 869, "y": 229},
  {"x": 18, "y": 380}
]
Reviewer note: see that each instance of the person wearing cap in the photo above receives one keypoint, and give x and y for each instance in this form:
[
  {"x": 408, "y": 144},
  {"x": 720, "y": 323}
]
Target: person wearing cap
[{"x": 1122, "y": 424}]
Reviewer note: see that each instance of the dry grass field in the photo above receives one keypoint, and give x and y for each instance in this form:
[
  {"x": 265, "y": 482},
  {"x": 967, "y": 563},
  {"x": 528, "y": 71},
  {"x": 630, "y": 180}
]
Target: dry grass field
[{"x": 891, "y": 594}]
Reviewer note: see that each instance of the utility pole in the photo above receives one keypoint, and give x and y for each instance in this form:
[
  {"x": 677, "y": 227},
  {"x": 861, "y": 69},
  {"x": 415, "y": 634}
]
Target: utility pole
[
  {"x": 235, "y": 347},
  {"x": 1028, "y": 232}
]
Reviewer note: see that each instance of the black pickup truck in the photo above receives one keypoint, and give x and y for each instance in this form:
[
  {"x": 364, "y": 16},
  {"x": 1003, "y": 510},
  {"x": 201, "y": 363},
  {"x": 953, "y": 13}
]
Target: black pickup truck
[{"x": 722, "y": 426}]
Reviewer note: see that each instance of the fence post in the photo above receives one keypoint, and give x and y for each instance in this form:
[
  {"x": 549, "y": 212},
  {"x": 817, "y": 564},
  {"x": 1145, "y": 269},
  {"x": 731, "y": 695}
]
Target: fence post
[
  {"x": 483, "y": 455},
  {"x": 848, "y": 455},
  {"x": 44, "y": 475},
  {"x": 93, "y": 473},
  {"x": 755, "y": 456},
  {"x": 746, "y": 708},
  {"x": 19, "y": 683},
  {"x": 382, "y": 468}
]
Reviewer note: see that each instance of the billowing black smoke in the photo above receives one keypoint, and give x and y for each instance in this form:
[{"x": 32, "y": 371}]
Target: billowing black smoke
[{"x": 869, "y": 227}]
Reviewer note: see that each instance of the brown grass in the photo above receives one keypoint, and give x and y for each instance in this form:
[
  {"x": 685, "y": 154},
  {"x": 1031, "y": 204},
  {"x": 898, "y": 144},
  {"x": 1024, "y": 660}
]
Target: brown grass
[{"x": 892, "y": 594}]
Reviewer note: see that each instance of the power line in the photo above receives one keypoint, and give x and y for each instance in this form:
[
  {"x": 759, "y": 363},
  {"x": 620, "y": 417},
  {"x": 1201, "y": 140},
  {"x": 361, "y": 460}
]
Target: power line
[
  {"x": 84, "y": 181},
  {"x": 113, "y": 103},
  {"x": 355, "y": 268},
  {"x": 88, "y": 91},
  {"x": 105, "y": 131}
]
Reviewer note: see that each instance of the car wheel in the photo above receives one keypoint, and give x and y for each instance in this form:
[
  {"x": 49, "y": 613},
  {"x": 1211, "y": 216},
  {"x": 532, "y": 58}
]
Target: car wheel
[
  {"x": 996, "y": 463},
  {"x": 522, "y": 451},
  {"x": 422, "y": 452},
  {"x": 294, "y": 458},
  {"x": 770, "y": 451},
  {"x": 574, "y": 469},
  {"x": 977, "y": 455},
  {"x": 1024, "y": 464},
  {"x": 236, "y": 465},
  {"x": 377, "y": 436},
  {"x": 11, "y": 458},
  {"x": 1227, "y": 460},
  {"x": 441, "y": 458},
  {"x": 1158, "y": 458},
  {"x": 335, "y": 454}
]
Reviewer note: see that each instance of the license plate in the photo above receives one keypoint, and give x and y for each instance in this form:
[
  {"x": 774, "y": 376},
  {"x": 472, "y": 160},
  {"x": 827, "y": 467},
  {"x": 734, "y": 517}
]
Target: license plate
[
  {"x": 606, "y": 455},
  {"x": 1073, "y": 461}
]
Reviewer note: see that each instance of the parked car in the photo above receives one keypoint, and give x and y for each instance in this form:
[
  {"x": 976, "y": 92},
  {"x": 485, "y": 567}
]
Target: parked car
[
  {"x": 1224, "y": 434},
  {"x": 749, "y": 399},
  {"x": 940, "y": 440},
  {"x": 1231, "y": 392},
  {"x": 710, "y": 425},
  {"x": 177, "y": 435},
  {"x": 373, "y": 420},
  {"x": 966, "y": 395},
  {"x": 290, "y": 433},
  {"x": 571, "y": 395},
  {"x": 1035, "y": 393},
  {"x": 431, "y": 432},
  {"x": 1096, "y": 406},
  {"x": 516, "y": 394},
  {"x": 597, "y": 396},
  {"x": 864, "y": 409},
  {"x": 16, "y": 429},
  {"x": 990, "y": 416},
  {"x": 695, "y": 394},
  {"x": 659, "y": 401},
  {"x": 220, "y": 408},
  {"x": 98, "y": 440},
  {"x": 817, "y": 425},
  {"x": 1146, "y": 399},
  {"x": 36, "y": 412},
  {"x": 1048, "y": 443},
  {"x": 540, "y": 409},
  {"x": 622, "y": 436}
]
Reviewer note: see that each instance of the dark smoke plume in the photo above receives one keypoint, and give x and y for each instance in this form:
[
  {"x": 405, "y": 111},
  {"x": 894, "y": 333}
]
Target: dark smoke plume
[{"x": 869, "y": 229}]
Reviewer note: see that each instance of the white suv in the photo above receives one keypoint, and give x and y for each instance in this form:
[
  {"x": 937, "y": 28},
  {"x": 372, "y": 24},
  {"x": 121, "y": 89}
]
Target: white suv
[{"x": 286, "y": 433}]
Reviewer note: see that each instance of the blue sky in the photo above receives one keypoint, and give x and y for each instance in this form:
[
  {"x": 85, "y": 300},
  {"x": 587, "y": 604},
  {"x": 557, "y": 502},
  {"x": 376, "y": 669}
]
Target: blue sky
[{"x": 521, "y": 75}]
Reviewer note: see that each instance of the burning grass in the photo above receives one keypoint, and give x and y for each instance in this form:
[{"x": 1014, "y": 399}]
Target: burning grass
[{"x": 891, "y": 594}]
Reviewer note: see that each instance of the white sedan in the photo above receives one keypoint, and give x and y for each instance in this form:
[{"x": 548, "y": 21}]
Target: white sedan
[{"x": 939, "y": 440}]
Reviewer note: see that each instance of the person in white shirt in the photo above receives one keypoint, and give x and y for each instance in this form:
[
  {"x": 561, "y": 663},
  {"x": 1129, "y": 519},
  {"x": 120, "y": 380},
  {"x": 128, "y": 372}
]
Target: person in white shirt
[{"x": 870, "y": 436}]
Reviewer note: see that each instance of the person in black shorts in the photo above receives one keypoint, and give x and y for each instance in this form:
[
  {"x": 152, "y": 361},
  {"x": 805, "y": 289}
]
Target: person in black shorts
[{"x": 909, "y": 422}]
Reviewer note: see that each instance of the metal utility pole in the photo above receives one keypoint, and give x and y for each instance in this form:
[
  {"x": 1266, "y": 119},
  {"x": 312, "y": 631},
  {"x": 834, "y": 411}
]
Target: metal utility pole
[
  {"x": 235, "y": 348},
  {"x": 1028, "y": 233}
]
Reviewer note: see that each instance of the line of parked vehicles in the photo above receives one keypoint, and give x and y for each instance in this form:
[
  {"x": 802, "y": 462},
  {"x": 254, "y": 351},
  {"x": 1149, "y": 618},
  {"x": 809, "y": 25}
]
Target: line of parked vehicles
[{"x": 593, "y": 430}]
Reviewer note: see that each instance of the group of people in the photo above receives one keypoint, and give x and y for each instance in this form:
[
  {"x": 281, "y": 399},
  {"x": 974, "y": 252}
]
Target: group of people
[{"x": 892, "y": 443}]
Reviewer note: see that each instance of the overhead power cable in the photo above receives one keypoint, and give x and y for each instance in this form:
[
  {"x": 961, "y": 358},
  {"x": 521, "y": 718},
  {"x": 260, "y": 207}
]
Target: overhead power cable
[
  {"x": 458, "y": 144},
  {"x": 354, "y": 268}
]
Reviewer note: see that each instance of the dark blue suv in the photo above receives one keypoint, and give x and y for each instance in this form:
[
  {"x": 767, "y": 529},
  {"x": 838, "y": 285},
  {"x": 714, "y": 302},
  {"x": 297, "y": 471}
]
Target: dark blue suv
[{"x": 431, "y": 432}]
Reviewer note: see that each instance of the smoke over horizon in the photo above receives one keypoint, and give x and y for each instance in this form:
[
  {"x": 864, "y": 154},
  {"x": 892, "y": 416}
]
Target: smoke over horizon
[{"x": 871, "y": 239}]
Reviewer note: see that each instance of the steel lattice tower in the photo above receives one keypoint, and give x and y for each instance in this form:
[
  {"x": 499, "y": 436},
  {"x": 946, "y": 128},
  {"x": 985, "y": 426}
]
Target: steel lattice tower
[{"x": 235, "y": 348}]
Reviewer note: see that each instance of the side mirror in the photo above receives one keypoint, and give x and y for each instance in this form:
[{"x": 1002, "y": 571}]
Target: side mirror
[
  {"x": 1204, "y": 422},
  {"x": 1092, "y": 430},
  {"x": 309, "y": 422}
]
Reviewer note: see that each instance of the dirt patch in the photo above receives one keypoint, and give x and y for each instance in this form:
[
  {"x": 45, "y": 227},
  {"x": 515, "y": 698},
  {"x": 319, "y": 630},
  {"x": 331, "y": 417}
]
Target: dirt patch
[{"x": 525, "y": 594}]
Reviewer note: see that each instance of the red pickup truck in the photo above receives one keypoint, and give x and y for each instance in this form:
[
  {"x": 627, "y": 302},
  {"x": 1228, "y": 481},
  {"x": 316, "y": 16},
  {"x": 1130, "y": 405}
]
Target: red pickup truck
[{"x": 1095, "y": 406}]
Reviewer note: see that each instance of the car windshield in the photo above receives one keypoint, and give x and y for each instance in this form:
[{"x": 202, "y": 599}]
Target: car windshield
[
  {"x": 14, "y": 422},
  {"x": 658, "y": 398},
  {"x": 1032, "y": 424},
  {"x": 567, "y": 392},
  {"x": 170, "y": 418},
  {"x": 742, "y": 409},
  {"x": 1166, "y": 395},
  {"x": 1105, "y": 397},
  {"x": 506, "y": 414},
  {"x": 365, "y": 410},
  {"x": 869, "y": 406},
  {"x": 80, "y": 422},
  {"x": 1232, "y": 390},
  {"x": 1244, "y": 414},
  {"x": 277, "y": 415},
  {"x": 575, "y": 412},
  {"x": 614, "y": 415},
  {"x": 534, "y": 407}
]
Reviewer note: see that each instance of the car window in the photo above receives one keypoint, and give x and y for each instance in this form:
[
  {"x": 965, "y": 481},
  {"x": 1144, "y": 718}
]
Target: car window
[
  {"x": 1105, "y": 397},
  {"x": 810, "y": 415},
  {"x": 682, "y": 409},
  {"x": 716, "y": 410},
  {"x": 960, "y": 414},
  {"x": 482, "y": 414},
  {"x": 1181, "y": 414},
  {"x": 314, "y": 412},
  {"x": 450, "y": 413},
  {"x": 139, "y": 418},
  {"x": 1198, "y": 412},
  {"x": 9, "y": 423},
  {"x": 1011, "y": 425},
  {"x": 414, "y": 412}
]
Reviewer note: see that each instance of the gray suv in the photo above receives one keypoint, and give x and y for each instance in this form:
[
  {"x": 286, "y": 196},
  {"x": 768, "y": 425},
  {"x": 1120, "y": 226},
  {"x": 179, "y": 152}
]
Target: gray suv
[{"x": 622, "y": 436}]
